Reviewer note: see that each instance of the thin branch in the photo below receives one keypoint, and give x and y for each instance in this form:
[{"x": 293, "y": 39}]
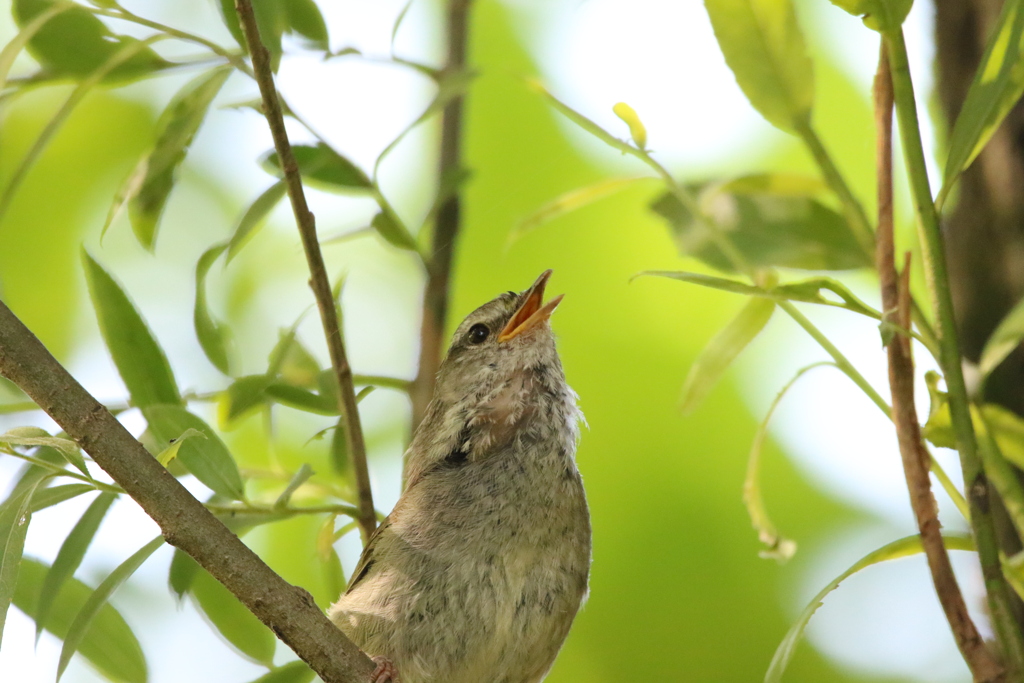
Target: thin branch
[
  {"x": 896, "y": 302},
  {"x": 446, "y": 226},
  {"x": 1000, "y": 598},
  {"x": 318, "y": 280},
  {"x": 287, "y": 610}
]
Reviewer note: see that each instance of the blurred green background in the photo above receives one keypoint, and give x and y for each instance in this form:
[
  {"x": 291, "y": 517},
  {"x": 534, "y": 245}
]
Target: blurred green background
[{"x": 678, "y": 592}]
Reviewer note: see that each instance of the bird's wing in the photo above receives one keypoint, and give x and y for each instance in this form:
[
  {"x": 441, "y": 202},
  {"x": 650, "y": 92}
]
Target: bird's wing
[{"x": 366, "y": 559}]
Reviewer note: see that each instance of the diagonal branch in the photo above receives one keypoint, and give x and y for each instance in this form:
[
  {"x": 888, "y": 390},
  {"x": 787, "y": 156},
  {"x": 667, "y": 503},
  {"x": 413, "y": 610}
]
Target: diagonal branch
[
  {"x": 318, "y": 280},
  {"x": 449, "y": 216},
  {"x": 896, "y": 303},
  {"x": 289, "y": 611}
]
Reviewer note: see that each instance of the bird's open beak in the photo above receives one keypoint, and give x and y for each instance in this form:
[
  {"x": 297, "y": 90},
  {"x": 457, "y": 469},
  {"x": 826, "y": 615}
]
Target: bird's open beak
[{"x": 531, "y": 313}]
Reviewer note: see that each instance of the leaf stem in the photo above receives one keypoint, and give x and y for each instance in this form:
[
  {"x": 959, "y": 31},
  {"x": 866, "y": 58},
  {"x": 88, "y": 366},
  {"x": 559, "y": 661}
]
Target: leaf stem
[
  {"x": 319, "y": 281},
  {"x": 936, "y": 276}
]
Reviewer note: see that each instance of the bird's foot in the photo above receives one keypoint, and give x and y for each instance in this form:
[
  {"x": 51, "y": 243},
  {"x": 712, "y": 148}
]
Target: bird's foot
[{"x": 385, "y": 671}]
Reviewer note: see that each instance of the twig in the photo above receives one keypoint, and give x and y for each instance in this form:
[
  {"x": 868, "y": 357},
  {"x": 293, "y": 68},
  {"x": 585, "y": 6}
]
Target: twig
[
  {"x": 1000, "y": 597},
  {"x": 318, "y": 280},
  {"x": 287, "y": 610},
  {"x": 446, "y": 226},
  {"x": 896, "y": 302}
]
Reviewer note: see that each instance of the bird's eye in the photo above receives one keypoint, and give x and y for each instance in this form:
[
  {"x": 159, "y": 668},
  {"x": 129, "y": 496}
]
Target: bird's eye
[{"x": 478, "y": 333}]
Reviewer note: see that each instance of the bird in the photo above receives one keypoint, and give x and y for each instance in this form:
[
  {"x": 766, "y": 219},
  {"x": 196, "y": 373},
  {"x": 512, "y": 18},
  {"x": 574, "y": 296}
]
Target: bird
[{"x": 480, "y": 569}]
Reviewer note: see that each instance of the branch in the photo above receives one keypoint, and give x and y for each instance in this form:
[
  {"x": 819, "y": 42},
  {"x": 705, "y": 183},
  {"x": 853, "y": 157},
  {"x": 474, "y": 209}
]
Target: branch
[
  {"x": 318, "y": 280},
  {"x": 1000, "y": 598},
  {"x": 289, "y": 611},
  {"x": 896, "y": 302},
  {"x": 446, "y": 227}
]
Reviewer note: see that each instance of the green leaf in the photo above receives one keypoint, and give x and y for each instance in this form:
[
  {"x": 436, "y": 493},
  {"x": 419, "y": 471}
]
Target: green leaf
[
  {"x": 95, "y": 602},
  {"x": 304, "y": 19},
  {"x": 904, "y": 547},
  {"x": 270, "y": 19},
  {"x": 242, "y": 396},
  {"x": 208, "y": 459},
  {"x": 54, "y": 495},
  {"x": 123, "y": 55},
  {"x": 777, "y": 547},
  {"x": 182, "y": 573},
  {"x": 807, "y": 291},
  {"x": 301, "y": 399},
  {"x": 146, "y": 190},
  {"x": 571, "y": 201},
  {"x": 398, "y": 24},
  {"x": 763, "y": 45},
  {"x": 171, "y": 452},
  {"x": 75, "y": 43},
  {"x": 108, "y": 643},
  {"x": 997, "y": 86},
  {"x": 323, "y": 167},
  {"x": 297, "y": 480},
  {"x": 340, "y": 457},
  {"x": 139, "y": 359},
  {"x": 18, "y": 43},
  {"x": 1006, "y": 337},
  {"x": 393, "y": 231},
  {"x": 722, "y": 350},
  {"x": 34, "y": 436},
  {"x": 334, "y": 575},
  {"x": 70, "y": 556},
  {"x": 292, "y": 672},
  {"x": 253, "y": 217},
  {"x": 785, "y": 229},
  {"x": 236, "y": 623},
  {"x": 212, "y": 334},
  {"x": 15, "y": 515}
]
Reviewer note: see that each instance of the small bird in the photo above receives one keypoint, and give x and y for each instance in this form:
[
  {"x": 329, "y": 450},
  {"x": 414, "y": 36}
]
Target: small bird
[{"x": 478, "y": 572}]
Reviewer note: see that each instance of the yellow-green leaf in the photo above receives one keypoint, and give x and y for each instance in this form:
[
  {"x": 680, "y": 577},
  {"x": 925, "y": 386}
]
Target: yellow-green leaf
[
  {"x": 763, "y": 45},
  {"x": 571, "y": 201},
  {"x": 212, "y": 335},
  {"x": 236, "y": 623},
  {"x": 637, "y": 130},
  {"x": 1004, "y": 340},
  {"x": 722, "y": 350}
]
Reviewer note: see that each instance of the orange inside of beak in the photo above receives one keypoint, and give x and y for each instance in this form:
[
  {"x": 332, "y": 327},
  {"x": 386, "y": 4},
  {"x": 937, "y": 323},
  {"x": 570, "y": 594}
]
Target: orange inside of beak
[{"x": 531, "y": 313}]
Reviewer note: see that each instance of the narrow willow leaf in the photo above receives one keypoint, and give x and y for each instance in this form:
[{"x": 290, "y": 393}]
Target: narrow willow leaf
[
  {"x": 807, "y": 291},
  {"x": 763, "y": 45},
  {"x": 398, "y": 24},
  {"x": 304, "y": 19},
  {"x": 171, "y": 452},
  {"x": 77, "y": 630},
  {"x": 341, "y": 460},
  {"x": 324, "y": 167},
  {"x": 212, "y": 334},
  {"x": 292, "y": 672},
  {"x": 997, "y": 86},
  {"x": 579, "y": 119},
  {"x": 15, "y": 515},
  {"x": 295, "y": 364},
  {"x": 70, "y": 556},
  {"x": 571, "y": 201},
  {"x": 777, "y": 547},
  {"x": 18, "y": 43},
  {"x": 123, "y": 55},
  {"x": 1004, "y": 340},
  {"x": 139, "y": 359},
  {"x": 253, "y": 217},
  {"x": 904, "y": 547},
  {"x": 208, "y": 459},
  {"x": 329, "y": 560},
  {"x": 393, "y": 232},
  {"x": 243, "y": 396},
  {"x": 182, "y": 573},
  {"x": 722, "y": 350},
  {"x": 297, "y": 480},
  {"x": 236, "y": 623},
  {"x": 108, "y": 643},
  {"x": 770, "y": 228},
  {"x": 301, "y": 399},
  {"x": 34, "y": 436},
  {"x": 76, "y": 43},
  {"x": 177, "y": 127},
  {"x": 55, "y": 495}
]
